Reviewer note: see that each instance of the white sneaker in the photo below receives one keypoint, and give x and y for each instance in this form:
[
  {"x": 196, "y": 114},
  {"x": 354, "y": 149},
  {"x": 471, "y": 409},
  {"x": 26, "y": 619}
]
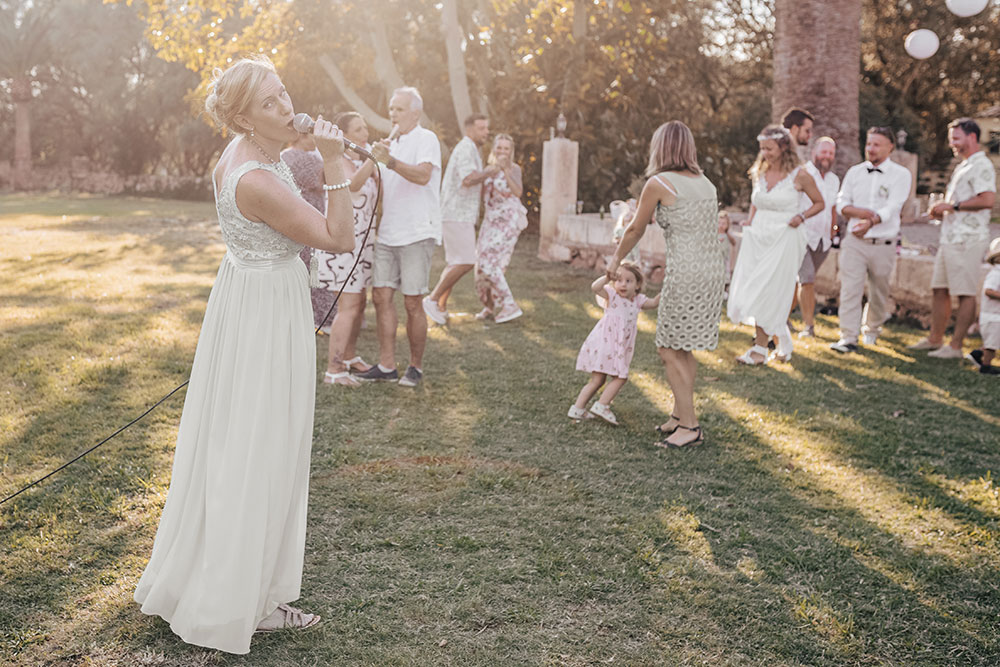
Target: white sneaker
[
  {"x": 923, "y": 344},
  {"x": 945, "y": 352},
  {"x": 869, "y": 339},
  {"x": 604, "y": 412},
  {"x": 434, "y": 311},
  {"x": 507, "y": 317}
]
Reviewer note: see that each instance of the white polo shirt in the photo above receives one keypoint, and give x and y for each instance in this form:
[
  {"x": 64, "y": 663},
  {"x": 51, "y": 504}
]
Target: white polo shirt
[
  {"x": 883, "y": 189},
  {"x": 412, "y": 212},
  {"x": 818, "y": 226}
]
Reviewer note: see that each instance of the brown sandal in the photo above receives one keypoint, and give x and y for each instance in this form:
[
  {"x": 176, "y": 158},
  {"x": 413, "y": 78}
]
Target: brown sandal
[{"x": 287, "y": 618}]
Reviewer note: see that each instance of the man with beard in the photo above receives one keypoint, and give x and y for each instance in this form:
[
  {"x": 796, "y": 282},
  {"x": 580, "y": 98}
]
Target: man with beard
[
  {"x": 819, "y": 229},
  {"x": 460, "y": 194},
  {"x": 965, "y": 237},
  {"x": 799, "y": 123}
]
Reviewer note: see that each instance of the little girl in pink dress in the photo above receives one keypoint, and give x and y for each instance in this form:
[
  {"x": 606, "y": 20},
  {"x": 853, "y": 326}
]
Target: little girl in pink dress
[{"x": 608, "y": 350}]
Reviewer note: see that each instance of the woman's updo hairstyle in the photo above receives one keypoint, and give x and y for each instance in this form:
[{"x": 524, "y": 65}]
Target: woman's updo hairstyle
[{"x": 231, "y": 91}]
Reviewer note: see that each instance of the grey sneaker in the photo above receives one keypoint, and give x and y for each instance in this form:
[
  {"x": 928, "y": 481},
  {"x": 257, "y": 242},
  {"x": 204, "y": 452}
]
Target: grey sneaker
[
  {"x": 869, "y": 339},
  {"x": 844, "y": 346},
  {"x": 411, "y": 378},
  {"x": 376, "y": 374},
  {"x": 434, "y": 311}
]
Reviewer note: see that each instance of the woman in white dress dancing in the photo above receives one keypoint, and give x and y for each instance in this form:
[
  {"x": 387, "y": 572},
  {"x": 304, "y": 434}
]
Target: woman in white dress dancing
[
  {"x": 229, "y": 548},
  {"x": 773, "y": 245}
]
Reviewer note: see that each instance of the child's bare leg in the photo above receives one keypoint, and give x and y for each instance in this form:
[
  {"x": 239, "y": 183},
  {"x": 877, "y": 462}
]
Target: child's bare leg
[
  {"x": 589, "y": 389},
  {"x": 609, "y": 393}
]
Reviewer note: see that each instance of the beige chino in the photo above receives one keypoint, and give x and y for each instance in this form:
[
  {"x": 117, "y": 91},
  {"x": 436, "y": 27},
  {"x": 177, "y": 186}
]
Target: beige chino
[{"x": 861, "y": 262}]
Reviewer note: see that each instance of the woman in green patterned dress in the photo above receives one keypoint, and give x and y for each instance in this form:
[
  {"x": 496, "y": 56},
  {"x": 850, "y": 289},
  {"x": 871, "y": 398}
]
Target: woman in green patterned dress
[{"x": 681, "y": 200}]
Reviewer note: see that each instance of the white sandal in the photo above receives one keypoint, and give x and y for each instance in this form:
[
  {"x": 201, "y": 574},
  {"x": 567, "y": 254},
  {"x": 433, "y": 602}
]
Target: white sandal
[
  {"x": 289, "y": 618},
  {"x": 356, "y": 361},
  {"x": 747, "y": 359},
  {"x": 604, "y": 412},
  {"x": 335, "y": 378},
  {"x": 578, "y": 414}
]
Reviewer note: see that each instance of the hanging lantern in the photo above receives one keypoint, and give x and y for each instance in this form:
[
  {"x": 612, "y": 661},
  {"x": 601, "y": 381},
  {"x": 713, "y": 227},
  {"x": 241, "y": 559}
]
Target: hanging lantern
[
  {"x": 922, "y": 44},
  {"x": 966, "y": 8}
]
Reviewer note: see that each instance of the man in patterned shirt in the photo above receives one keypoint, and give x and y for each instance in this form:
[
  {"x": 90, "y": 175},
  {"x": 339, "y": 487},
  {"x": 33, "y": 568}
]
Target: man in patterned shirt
[
  {"x": 965, "y": 237},
  {"x": 460, "y": 194}
]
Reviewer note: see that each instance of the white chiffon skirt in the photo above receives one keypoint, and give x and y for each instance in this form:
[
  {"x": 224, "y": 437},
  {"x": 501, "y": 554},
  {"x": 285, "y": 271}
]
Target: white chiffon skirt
[
  {"x": 763, "y": 282},
  {"x": 231, "y": 539}
]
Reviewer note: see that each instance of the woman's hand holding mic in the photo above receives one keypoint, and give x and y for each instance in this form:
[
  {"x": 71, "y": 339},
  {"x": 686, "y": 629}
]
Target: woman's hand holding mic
[{"x": 329, "y": 139}]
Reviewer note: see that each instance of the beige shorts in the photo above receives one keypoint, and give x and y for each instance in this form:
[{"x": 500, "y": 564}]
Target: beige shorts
[
  {"x": 459, "y": 240},
  {"x": 990, "y": 331},
  {"x": 403, "y": 267},
  {"x": 958, "y": 267}
]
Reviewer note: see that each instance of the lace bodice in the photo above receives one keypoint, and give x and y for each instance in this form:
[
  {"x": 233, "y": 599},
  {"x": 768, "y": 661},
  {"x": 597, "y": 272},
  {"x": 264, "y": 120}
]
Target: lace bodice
[
  {"x": 246, "y": 239},
  {"x": 782, "y": 197}
]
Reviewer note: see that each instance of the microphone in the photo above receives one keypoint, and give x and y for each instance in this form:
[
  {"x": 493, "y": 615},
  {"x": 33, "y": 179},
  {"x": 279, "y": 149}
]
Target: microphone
[{"x": 303, "y": 124}]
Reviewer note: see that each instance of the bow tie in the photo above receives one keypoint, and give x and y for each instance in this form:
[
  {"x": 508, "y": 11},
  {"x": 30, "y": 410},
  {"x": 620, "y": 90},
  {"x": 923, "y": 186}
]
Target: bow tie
[{"x": 871, "y": 169}]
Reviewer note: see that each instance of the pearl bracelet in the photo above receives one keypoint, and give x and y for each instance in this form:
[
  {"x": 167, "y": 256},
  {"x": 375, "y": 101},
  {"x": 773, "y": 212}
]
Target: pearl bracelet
[{"x": 338, "y": 186}]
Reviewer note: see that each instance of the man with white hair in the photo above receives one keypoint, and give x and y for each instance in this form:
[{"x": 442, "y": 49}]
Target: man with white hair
[
  {"x": 819, "y": 229},
  {"x": 410, "y": 228}
]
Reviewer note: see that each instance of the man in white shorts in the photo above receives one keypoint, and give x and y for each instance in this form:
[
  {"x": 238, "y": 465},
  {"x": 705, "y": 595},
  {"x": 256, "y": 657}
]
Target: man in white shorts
[
  {"x": 461, "y": 188},
  {"x": 410, "y": 228},
  {"x": 965, "y": 236},
  {"x": 819, "y": 229}
]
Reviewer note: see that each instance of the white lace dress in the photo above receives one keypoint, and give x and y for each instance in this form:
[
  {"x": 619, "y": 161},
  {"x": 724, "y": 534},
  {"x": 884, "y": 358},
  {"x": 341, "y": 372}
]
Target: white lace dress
[
  {"x": 771, "y": 253},
  {"x": 231, "y": 539}
]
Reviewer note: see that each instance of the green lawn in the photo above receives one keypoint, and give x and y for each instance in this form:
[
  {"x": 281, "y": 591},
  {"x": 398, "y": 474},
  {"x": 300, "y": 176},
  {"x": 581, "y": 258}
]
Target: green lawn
[{"x": 843, "y": 511}]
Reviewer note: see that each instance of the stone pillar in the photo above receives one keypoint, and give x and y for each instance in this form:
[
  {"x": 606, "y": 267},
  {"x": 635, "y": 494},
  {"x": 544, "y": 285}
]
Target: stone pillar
[
  {"x": 911, "y": 209},
  {"x": 560, "y": 163}
]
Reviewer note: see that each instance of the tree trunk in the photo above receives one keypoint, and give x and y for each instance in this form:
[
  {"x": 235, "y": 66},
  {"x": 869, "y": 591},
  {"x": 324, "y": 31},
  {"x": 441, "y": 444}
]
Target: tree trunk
[
  {"x": 817, "y": 63},
  {"x": 378, "y": 122},
  {"x": 21, "y": 94},
  {"x": 456, "y": 62}
]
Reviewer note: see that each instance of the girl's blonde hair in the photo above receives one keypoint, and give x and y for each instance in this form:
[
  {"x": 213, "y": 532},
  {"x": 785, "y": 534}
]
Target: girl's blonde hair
[
  {"x": 492, "y": 159},
  {"x": 789, "y": 159},
  {"x": 672, "y": 149},
  {"x": 232, "y": 91},
  {"x": 636, "y": 271}
]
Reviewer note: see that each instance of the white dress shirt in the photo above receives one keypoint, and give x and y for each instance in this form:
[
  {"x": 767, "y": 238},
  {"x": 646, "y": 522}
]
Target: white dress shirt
[
  {"x": 818, "y": 226},
  {"x": 883, "y": 189}
]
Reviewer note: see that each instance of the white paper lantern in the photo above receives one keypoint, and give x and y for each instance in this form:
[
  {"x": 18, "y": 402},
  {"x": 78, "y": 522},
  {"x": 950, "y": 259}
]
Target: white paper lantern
[
  {"x": 966, "y": 7},
  {"x": 922, "y": 44}
]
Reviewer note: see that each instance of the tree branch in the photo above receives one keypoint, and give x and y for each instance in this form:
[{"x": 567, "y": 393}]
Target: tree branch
[{"x": 379, "y": 123}]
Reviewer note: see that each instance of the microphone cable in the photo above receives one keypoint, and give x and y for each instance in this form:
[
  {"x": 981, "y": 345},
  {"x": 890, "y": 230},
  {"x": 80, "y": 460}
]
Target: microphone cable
[{"x": 350, "y": 274}]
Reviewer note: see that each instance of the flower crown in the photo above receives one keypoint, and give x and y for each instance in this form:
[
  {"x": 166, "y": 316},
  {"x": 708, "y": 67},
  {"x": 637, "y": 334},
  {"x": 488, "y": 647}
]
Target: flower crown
[{"x": 775, "y": 134}]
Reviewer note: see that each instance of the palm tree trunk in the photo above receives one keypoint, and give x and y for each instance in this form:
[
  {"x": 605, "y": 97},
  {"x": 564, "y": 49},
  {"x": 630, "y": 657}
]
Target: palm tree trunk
[
  {"x": 21, "y": 94},
  {"x": 817, "y": 63}
]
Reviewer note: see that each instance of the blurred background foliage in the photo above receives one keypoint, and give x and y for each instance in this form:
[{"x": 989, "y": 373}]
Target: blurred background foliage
[{"x": 121, "y": 82}]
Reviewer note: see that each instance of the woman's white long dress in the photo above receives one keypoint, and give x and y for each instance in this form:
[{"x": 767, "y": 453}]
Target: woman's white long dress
[
  {"x": 231, "y": 540},
  {"x": 771, "y": 253}
]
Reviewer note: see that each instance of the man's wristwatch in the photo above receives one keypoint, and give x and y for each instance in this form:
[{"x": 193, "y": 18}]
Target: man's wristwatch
[{"x": 957, "y": 206}]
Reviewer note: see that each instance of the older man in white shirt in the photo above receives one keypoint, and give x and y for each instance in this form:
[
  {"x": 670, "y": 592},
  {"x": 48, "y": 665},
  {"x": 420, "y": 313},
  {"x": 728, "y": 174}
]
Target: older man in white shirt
[
  {"x": 407, "y": 234},
  {"x": 819, "y": 229},
  {"x": 965, "y": 237},
  {"x": 461, "y": 191},
  {"x": 871, "y": 199}
]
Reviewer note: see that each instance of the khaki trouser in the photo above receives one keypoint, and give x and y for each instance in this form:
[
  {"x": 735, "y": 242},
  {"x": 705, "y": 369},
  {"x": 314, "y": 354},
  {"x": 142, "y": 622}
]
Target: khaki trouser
[{"x": 860, "y": 262}]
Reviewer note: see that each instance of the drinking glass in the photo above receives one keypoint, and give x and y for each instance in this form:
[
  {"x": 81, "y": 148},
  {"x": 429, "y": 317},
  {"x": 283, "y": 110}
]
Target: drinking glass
[{"x": 933, "y": 200}]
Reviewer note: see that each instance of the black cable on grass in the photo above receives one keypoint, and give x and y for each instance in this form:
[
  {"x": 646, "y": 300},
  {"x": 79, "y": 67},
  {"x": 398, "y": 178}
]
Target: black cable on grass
[{"x": 368, "y": 231}]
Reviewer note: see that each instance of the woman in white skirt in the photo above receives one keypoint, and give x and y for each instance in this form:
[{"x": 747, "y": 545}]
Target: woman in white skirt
[
  {"x": 228, "y": 553},
  {"x": 773, "y": 245}
]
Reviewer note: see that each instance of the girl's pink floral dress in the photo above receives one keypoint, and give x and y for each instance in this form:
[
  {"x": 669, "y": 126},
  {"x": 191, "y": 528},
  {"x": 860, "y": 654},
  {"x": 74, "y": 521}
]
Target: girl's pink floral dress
[{"x": 609, "y": 347}]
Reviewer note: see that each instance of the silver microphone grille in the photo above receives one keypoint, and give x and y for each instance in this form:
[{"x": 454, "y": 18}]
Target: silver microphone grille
[{"x": 303, "y": 123}]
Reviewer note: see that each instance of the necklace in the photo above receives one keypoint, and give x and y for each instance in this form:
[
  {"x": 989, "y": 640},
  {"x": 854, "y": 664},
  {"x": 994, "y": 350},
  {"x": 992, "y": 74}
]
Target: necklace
[{"x": 261, "y": 150}]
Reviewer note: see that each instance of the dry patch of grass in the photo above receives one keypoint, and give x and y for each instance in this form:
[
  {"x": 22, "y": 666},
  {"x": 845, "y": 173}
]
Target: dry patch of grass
[{"x": 843, "y": 511}]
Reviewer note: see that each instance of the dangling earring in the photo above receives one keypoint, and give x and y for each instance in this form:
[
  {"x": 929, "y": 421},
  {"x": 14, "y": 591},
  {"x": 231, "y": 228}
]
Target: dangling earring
[{"x": 251, "y": 131}]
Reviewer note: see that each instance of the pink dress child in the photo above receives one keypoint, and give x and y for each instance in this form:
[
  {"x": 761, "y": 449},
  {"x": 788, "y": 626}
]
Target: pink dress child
[{"x": 611, "y": 344}]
